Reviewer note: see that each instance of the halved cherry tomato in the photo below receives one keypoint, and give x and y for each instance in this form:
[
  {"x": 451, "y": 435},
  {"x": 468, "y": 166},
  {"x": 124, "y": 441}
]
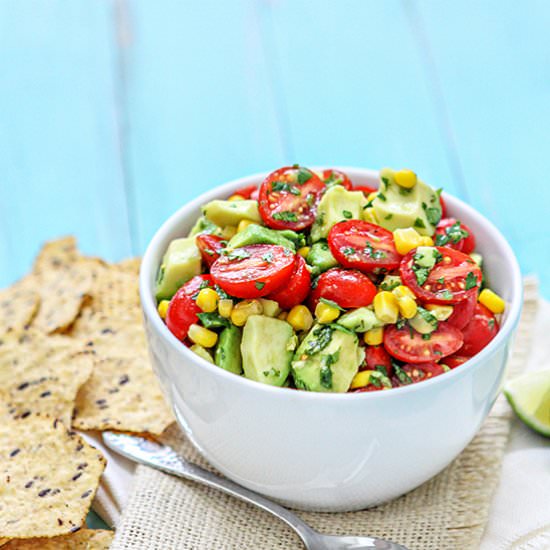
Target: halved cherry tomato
[
  {"x": 463, "y": 312},
  {"x": 289, "y": 198},
  {"x": 367, "y": 189},
  {"x": 377, "y": 356},
  {"x": 363, "y": 245},
  {"x": 245, "y": 192},
  {"x": 253, "y": 271},
  {"x": 196, "y": 283},
  {"x": 296, "y": 289},
  {"x": 181, "y": 313},
  {"x": 455, "y": 234},
  {"x": 454, "y": 277},
  {"x": 455, "y": 360},
  {"x": 348, "y": 288},
  {"x": 422, "y": 371},
  {"x": 369, "y": 387},
  {"x": 410, "y": 346},
  {"x": 210, "y": 247},
  {"x": 335, "y": 177},
  {"x": 479, "y": 331},
  {"x": 443, "y": 206}
]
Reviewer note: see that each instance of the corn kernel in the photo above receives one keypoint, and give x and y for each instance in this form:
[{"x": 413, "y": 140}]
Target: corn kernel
[
  {"x": 405, "y": 178},
  {"x": 243, "y": 310},
  {"x": 406, "y": 239},
  {"x": 300, "y": 318},
  {"x": 283, "y": 315},
  {"x": 361, "y": 379},
  {"x": 207, "y": 300},
  {"x": 372, "y": 196},
  {"x": 225, "y": 307},
  {"x": 326, "y": 313},
  {"x": 163, "y": 308},
  {"x": 270, "y": 307},
  {"x": 403, "y": 291},
  {"x": 236, "y": 198},
  {"x": 369, "y": 215},
  {"x": 304, "y": 251},
  {"x": 385, "y": 307},
  {"x": 426, "y": 241},
  {"x": 374, "y": 336},
  {"x": 441, "y": 313},
  {"x": 491, "y": 301},
  {"x": 243, "y": 224},
  {"x": 407, "y": 307},
  {"x": 228, "y": 231},
  {"x": 202, "y": 336}
]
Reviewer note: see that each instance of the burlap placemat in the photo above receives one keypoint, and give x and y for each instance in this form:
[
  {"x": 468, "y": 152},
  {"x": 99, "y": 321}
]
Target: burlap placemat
[{"x": 448, "y": 512}]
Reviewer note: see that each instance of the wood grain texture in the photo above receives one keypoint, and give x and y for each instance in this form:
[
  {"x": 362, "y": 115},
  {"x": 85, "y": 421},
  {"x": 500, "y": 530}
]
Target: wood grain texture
[{"x": 59, "y": 134}]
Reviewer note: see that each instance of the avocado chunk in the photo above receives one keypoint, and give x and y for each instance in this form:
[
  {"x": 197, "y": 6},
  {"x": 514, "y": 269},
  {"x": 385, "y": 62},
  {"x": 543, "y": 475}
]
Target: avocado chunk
[
  {"x": 320, "y": 257},
  {"x": 327, "y": 360},
  {"x": 228, "y": 353},
  {"x": 338, "y": 204},
  {"x": 181, "y": 261},
  {"x": 202, "y": 352},
  {"x": 424, "y": 321},
  {"x": 267, "y": 348},
  {"x": 202, "y": 225},
  {"x": 426, "y": 256},
  {"x": 396, "y": 207},
  {"x": 258, "y": 234},
  {"x": 224, "y": 213},
  {"x": 360, "y": 320}
]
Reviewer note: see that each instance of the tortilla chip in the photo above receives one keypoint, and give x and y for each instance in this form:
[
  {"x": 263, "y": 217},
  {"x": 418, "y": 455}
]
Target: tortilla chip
[
  {"x": 55, "y": 254},
  {"x": 49, "y": 478},
  {"x": 131, "y": 265},
  {"x": 122, "y": 394},
  {"x": 18, "y": 306},
  {"x": 85, "y": 539}
]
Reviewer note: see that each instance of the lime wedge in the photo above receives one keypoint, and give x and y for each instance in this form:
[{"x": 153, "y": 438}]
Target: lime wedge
[{"x": 529, "y": 396}]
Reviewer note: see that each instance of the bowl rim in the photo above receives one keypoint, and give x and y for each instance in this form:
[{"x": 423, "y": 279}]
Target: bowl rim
[{"x": 147, "y": 277}]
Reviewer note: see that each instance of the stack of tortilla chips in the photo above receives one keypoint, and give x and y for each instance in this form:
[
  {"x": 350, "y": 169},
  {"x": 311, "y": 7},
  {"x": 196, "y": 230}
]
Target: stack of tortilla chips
[{"x": 72, "y": 357}]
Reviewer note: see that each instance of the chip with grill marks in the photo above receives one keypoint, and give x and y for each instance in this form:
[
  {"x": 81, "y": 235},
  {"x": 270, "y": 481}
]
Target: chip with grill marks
[
  {"x": 49, "y": 477},
  {"x": 85, "y": 539}
]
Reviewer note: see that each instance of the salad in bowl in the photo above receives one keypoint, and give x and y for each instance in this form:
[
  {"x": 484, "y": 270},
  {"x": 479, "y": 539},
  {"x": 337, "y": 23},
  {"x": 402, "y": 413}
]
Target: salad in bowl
[{"x": 310, "y": 282}]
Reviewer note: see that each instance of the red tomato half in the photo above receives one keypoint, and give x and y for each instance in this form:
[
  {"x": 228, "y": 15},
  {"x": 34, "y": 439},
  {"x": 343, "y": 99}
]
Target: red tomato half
[
  {"x": 245, "y": 192},
  {"x": 447, "y": 281},
  {"x": 463, "y": 312},
  {"x": 423, "y": 371},
  {"x": 479, "y": 331},
  {"x": 296, "y": 289},
  {"x": 363, "y": 245},
  {"x": 210, "y": 247},
  {"x": 181, "y": 313},
  {"x": 455, "y": 360},
  {"x": 377, "y": 356},
  {"x": 196, "y": 283},
  {"x": 367, "y": 189},
  {"x": 370, "y": 387},
  {"x": 408, "y": 345},
  {"x": 348, "y": 288},
  {"x": 335, "y": 177},
  {"x": 289, "y": 198},
  {"x": 253, "y": 271},
  {"x": 455, "y": 235}
]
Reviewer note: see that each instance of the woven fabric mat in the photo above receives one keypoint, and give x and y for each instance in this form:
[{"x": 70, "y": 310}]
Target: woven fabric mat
[{"x": 448, "y": 512}]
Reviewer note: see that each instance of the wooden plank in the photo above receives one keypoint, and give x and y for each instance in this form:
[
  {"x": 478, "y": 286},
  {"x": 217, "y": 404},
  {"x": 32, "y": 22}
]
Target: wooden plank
[
  {"x": 59, "y": 133},
  {"x": 492, "y": 61},
  {"x": 354, "y": 87},
  {"x": 200, "y": 104}
]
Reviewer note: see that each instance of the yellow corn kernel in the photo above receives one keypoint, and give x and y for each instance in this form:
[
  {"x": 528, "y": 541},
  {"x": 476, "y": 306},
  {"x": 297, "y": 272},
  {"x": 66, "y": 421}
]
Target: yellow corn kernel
[
  {"x": 163, "y": 308},
  {"x": 207, "y": 300},
  {"x": 441, "y": 313},
  {"x": 326, "y": 313},
  {"x": 403, "y": 291},
  {"x": 283, "y": 315},
  {"x": 243, "y": 310},
  {"x": 300, "y": 318},
  {"x": 236, "y": 198},
  {"x": 369, "y": 215},
  {"x": 406, "y": 239},
  {"x": 202, "y": 336},
  {"x": 491, "y": 301},
  {"x": 385, "y": 307},
  {"x": 228, "y": 231},
  {"x": 270, "y": 307},
  {"x": 405, "y": 178},
  {"x": 372, "y": 196},
  {"x": 304, "y": 251},
  {"x": 407, "y": 307},
  {"x": 361, "y": 379},
  {"x": 243, "y": 224},
  {"x": 426, "y": 241},
  {"x": 225, "y": 307},
  {"x": 374, "y": 336}
]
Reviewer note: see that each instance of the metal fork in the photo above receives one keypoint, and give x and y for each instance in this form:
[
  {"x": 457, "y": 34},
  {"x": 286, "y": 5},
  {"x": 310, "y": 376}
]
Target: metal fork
[{"x": 164, "y": 458}]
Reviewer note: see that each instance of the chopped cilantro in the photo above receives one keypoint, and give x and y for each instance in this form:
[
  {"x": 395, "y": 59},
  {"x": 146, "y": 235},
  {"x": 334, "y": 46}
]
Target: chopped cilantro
[
  {"x": 471, "y": 280},
  {"x": 222, "y": 293},
  {"x": 213, "y": 320},
  {"x": 303, "y": 175},
  {"x": 285, "y": 216},
  {"x": 388, "y": 217},
  {"x": 325, "y": 373},
  {"x": 390, "y": 285},
  {"x": 491, "y": 324},
  {"x": 235, "y": 254},
  {"x": 331, "y": 304},
  {"x": 268, "y": 257},
  {"x": 446, "y": 295},
  {"x": 259, "y": 285},
  {"x": 378, "y": 379},
  {"x": 433, "y": 213},
  {"x": 379, "y": 254},
  {"x": 322, "y": 334},
  {"x": 348, "y": 250},
  {"x": 454, "y": 233},
  {"x": 272, "y": 372},
  {"x": 385, "y": 181},
  {"x": 427, "y": 316},
  {"x": 419, "y": 222},
  {"x": 402, "y": 376},
  {"x": 284, "y": 186},
  {"x": 421, "y": 273},
  {"x": 381, "y": 369},
  {"x": 381, "y": 196},
  {"x": 347, "y": 214},
  {"x": 426, "y": 336},
  {"x": 401, "y": 323}
]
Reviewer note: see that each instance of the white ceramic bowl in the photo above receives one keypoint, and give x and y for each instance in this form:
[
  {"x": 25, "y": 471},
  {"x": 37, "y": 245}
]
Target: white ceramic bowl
[{"x": 321, "y": 451}]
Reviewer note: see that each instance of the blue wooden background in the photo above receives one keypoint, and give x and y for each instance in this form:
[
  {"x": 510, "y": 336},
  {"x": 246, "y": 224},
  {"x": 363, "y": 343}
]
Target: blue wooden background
[{"x": 113, "y": 113}]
